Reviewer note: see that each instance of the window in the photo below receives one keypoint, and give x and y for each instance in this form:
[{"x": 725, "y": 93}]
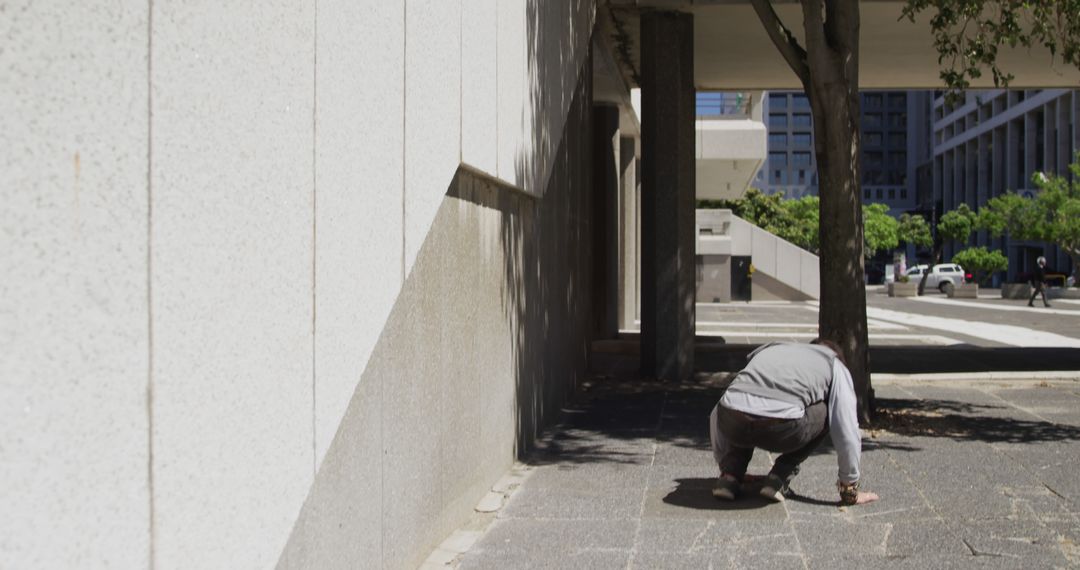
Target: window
[
  {"x": 873, "y": 160},
  {"x": 778, "y": 120},
  {"x": 777, "y": 139},
  {"x": 866, "y": 194},
  {"x": 897, "y": 100},
  {"x": 897, "y": 140},
  {"x": 903, "y": 193},
  {"x": 802, "y": 176},
  {"x": 780, "y": 176},
  {"x": 873, "y": 139},
  {"x": 872, "y": 100},
  {"x": 800, "y": 101},
  {"x": 898, "y": 120},
  {"x": 801, "y": 158},
  {"x": 778, "y": 101},
  {"x": 777, "y": 159},
  {"x": 878, "y": 193},
  {"x": 872, "y": 119},
  {"x": 898, "y": 159},
  {"x": 892, "y": 193},
  {"x": 801, "y": 120},
  {"x": 801, "y": 139}
]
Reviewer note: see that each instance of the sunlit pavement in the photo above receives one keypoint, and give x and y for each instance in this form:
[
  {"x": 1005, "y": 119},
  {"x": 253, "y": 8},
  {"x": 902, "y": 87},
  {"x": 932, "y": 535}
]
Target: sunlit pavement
[
  {"x": 971, "y": 475},
  {"x": 931, "y": 320}
]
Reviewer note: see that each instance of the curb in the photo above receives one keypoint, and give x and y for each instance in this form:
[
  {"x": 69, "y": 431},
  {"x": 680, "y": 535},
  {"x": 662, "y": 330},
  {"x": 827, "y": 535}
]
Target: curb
[{"x": 1001, "y": 375}]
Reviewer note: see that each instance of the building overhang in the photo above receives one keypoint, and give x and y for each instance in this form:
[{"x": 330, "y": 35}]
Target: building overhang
[{"x": 733, "y": 52}]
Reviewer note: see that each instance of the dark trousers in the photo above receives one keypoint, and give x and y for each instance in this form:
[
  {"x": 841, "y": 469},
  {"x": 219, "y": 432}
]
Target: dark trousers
[
  {"x": 1040, "y": 288},
  {"x": 735, "y": 435}
]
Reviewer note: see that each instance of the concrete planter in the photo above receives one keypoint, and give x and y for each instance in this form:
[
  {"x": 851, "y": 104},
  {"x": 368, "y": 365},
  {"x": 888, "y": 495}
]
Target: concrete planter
[
  {"x": 1063, "y": 293},
  {"x": 909, "y": 289},
  {"x": 963, "y": 291},
  {"x": 1015, "y": 290}
]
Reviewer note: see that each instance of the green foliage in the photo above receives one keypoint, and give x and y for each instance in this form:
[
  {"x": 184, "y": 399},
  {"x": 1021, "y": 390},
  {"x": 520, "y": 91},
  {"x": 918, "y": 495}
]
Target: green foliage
[
  {"x": 804, "y": 231},
  {"x": 793, "y": 220},
  {"x": 880, "y": 230},
  {"x": 914, "y": 230},
  {"x": 957, "y": 224},
  {"x": 982, "y": 262},
  {"x": 1052, "y": 215},
  {"x": 968, "y": 33}
]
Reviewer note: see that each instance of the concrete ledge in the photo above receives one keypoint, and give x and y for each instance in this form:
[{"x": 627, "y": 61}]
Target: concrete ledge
[
  {"x": 910, "y": 289},
  {"x": 1009, "y": 375},
  {"x": 965, "y": 291}
]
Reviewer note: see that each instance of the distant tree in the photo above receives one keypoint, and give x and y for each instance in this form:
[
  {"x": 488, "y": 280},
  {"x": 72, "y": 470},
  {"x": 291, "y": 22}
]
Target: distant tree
[
  {"x": 914, "y": 230},
  {"x": 880, "y": 229},
  {"x": 805, "y": 214},
  {"x": 1052, "y": 215},
  {"x": 955, "y": 225},
  {"x": 981, "y": 262},
  {"x": 793, "y": 220}
]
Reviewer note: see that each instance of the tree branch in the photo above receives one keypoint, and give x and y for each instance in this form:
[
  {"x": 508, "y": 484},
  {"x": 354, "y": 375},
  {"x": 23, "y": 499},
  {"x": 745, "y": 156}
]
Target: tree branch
[{"x": 782, "y": 38}]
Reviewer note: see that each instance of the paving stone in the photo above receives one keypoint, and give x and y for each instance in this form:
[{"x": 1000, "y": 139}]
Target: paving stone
[
  {"x": 765, "y": 560},
  {"x": 922, "y": 538},
  {"x": 572, "y": 503},
  {"x": 552, "y": 559},
  {"x": 685, "y": 536},
  {"x": 651, "y": 560},
  {"x": 823, "y": 536},
  {"x": 540, "y": 536}
]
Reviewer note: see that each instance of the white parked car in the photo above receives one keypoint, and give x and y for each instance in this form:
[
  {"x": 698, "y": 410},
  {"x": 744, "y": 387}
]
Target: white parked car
[{"x": 940, "y": 277}]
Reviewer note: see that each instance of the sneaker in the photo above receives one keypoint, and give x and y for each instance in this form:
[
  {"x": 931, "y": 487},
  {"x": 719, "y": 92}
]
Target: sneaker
[
  {"x": 774, "y": 488},
  {"x": 726, "y": 489}
]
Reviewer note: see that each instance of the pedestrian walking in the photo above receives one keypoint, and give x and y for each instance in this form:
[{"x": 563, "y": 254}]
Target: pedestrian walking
[
  {"x": 787, "y": 399},
  {"x": 1038, "y": 282}
]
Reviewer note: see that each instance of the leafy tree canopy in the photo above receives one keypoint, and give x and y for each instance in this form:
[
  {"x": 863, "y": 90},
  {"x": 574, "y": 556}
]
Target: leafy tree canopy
[
  {"x": 957, "y": 224},
  {"x": 914, "y": 230},
  {"x": 880, "y": 230},
  {"x": 1052, "y": 215},
  {"x": 981, "y": 261},
  {"x": 969, "y": 33}
]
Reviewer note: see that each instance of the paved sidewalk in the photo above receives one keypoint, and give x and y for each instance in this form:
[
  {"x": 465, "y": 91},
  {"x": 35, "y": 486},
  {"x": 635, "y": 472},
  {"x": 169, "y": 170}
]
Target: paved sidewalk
[{"x": 971, "y": 475}]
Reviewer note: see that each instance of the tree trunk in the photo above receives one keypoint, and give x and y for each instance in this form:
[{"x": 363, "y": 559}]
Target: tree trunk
[
  {"x": 832, "y": 48},
  {"x": 828, "y": 68}
]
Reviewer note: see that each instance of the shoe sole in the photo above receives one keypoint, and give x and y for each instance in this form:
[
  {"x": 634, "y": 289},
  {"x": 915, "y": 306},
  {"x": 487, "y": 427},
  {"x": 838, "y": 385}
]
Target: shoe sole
[
  {"x": 772, "y": 494},
  {"x": 723, "y": 494}
]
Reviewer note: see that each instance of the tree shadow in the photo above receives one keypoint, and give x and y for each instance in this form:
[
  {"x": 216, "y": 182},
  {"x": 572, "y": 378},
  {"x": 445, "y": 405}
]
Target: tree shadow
[{"x": 963, "y": 421}]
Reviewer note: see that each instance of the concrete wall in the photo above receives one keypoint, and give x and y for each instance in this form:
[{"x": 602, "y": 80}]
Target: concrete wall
[
  {"x": 74, "y": 349},
  {"x": 231, "y": 264}
]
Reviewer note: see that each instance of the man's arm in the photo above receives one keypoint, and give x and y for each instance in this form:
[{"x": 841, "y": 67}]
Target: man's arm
[
  {"x": 844, "y": 423},
  {"x": 844, "y": 431}
]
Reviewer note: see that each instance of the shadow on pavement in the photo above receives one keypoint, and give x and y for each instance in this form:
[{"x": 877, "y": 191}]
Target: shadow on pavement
[
  {"x": 961, "y": 421},
  {"x": 696, "y": 493}
]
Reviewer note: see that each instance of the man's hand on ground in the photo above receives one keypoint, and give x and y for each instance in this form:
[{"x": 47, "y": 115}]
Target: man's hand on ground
[{"x": 866, "y": 497}]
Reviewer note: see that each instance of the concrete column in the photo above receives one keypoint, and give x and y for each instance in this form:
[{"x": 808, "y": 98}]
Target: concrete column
[
  {"x": 1013, "y": 168},
  {"x": 606, "y": 158},
  {"x": 667, "y": 154},
  {"x": 628, "y": 232}
]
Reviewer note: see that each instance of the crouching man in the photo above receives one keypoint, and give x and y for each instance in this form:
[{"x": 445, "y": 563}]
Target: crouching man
[{"x": 786, "y": 400}]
